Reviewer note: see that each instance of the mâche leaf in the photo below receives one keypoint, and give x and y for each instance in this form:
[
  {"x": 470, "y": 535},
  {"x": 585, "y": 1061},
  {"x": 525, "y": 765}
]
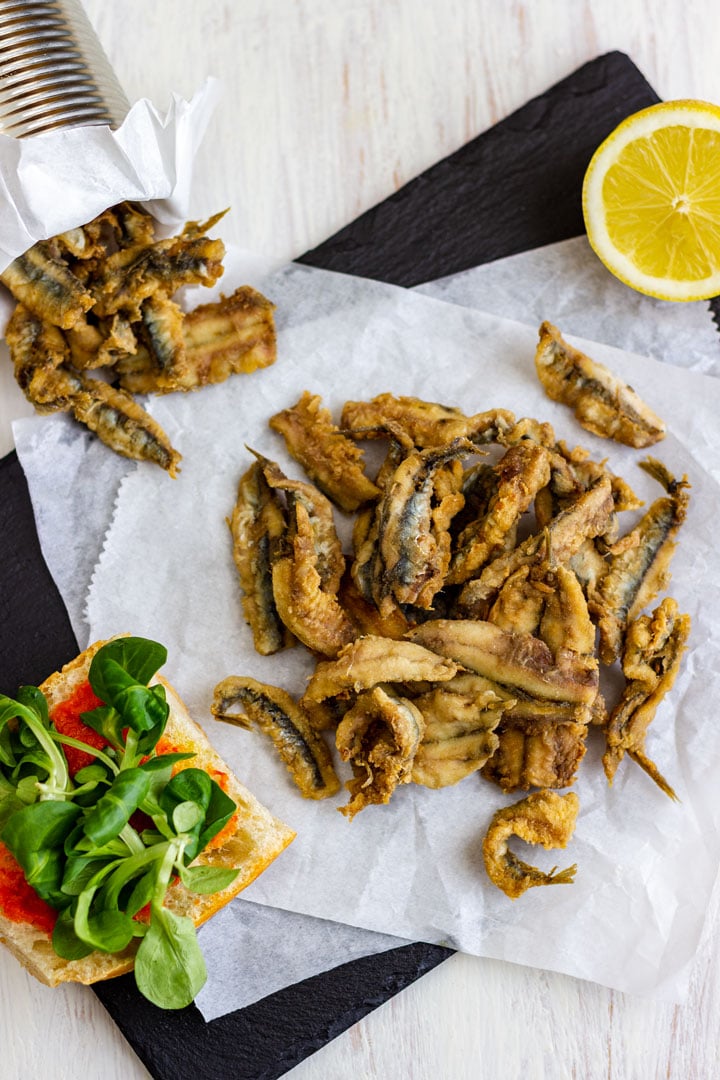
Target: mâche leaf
[
  {"x": 169, "y": 966},
  {"x": 115, "y": 808}
]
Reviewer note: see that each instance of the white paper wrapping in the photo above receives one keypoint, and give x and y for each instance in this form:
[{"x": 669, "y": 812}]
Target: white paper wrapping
[
  {"x": 64, "y": 178},
  {"x": 414, "y": 869}
]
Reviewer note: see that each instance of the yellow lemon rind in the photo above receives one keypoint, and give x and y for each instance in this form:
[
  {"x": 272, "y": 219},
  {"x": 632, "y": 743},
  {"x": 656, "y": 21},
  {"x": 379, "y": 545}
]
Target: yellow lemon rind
[{"x": 687, "y": 113}]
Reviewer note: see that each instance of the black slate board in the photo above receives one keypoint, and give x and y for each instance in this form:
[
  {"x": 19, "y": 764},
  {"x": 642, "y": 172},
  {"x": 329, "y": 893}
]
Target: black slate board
[{"x": 513, "y": 188}]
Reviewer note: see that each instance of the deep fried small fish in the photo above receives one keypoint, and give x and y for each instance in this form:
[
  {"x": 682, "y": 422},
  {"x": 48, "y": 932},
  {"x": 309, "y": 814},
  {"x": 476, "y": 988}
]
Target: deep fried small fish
[
  {"x": 427, "y": 423},
  {"x": 459, "y": 735},
  {"x": 235, "y": 335},
  {"x": 330, "y": 458},
  {"x": 522, "y": 471},
  {"x": 540, "y": 744},
  {"x": 258, "y": 522},
  {"x": 585, "y": 517},
  {"x": 128, "y": 277},
  {"x": 515, "y": 660},
  {"x": 123, "y": 425},
  {"x": 47, "y": 287},
  {"x": 654, "y": 645},
  {"x": 365, "y": 615},
  {"x": 39, "y": 352},
  {"x": 639, "y": 571},
  {"x": 371, "y": 660},
  {"x": 246, "y": 702},
  {"x": 543, "y": 818},
  {"x": 602, "y": 403},
  {"x": 413, "y": 519},
  {"x": 379, "y": 736},
  {"x": 326, "y": 543},
  {"x": 310, "y": 610}
]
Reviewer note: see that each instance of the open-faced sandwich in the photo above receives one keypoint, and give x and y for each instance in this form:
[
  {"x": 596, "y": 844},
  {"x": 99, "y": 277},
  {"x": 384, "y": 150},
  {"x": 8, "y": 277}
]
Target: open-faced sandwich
[{"x": 121, "y": 829}]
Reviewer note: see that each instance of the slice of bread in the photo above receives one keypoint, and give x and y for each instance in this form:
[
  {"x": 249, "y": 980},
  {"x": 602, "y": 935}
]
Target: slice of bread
[{"x": 250, "y": 841}]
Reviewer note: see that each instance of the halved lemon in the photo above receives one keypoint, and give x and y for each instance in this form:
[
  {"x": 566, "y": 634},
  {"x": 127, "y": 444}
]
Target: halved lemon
[{"x": 651, "y": 201}]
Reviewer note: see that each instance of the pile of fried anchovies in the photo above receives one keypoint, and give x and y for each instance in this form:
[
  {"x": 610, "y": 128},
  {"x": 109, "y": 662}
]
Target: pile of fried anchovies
[
  {"x": 456, "y": 639},
  {"x": 95, "y": 324}
]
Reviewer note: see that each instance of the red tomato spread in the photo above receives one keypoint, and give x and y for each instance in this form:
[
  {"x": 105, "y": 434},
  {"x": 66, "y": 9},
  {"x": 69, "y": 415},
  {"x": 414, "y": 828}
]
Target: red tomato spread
[
  {"x": 18, "y": 900},
  {"x": 66, "y": 718}
]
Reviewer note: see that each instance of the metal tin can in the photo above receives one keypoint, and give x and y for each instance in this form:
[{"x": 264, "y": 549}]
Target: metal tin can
[{"x": 53, "y": 71}]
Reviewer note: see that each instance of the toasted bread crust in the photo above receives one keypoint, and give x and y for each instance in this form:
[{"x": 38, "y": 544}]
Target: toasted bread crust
[{"x": 256, "y": 839}]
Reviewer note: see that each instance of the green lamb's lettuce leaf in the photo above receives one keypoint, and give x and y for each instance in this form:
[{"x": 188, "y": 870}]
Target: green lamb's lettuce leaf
[
  {"x": 114, "y": 809},
  {"x": 35, "y": 835}
]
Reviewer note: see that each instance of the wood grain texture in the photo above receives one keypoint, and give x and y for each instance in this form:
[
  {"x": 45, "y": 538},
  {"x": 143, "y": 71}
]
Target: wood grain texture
[{"x": 328, "y": 106}]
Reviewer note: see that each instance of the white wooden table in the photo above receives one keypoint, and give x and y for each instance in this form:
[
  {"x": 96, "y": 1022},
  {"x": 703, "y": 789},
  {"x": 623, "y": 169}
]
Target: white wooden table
[{"x": 328, "y": 106}]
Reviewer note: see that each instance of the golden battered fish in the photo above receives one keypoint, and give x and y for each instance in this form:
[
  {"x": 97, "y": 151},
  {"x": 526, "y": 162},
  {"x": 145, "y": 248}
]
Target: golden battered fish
[
  {"x": 330, "y": 458},
  {"x": 540, "y": 744},
  {"x": 513, "y": 659},
  {"x": 654, "y": 645},
  {"x": 371, "y": 660},
  {"x": 257, "y": 524},
  {"x": 459, "y": 735},
  {"x": 426, "y": 423},
  {"x": 235, "y": 335},
  {"x": 46, "y": 287},
  {"x": 602, "y": 403},
  {"x": 249, "y": 703},
  {"x": 522, "y": 472},
  {"x": 640, "y": 570},
  {"x": 586, "y": 517},
  {"x": 543, "y": 818},
  {"x": 379, "y": 736}
]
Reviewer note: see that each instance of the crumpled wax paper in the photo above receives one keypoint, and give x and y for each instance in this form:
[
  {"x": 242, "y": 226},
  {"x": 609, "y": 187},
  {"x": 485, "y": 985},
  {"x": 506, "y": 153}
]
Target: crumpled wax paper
[
  {"x": 72, "y": 517},
  {"x": 413, "y": 868}
]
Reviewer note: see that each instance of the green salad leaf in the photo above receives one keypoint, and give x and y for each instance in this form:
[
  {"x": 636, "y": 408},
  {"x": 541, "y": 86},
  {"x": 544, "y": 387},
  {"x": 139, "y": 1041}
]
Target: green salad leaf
[{"x": 103, "y": 845}]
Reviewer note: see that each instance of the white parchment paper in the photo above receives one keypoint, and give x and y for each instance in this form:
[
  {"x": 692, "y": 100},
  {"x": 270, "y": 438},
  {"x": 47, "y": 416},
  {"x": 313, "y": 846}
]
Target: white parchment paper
[
  {"x": 413, "y": 868},
  {"x": 72, "y": 515}
]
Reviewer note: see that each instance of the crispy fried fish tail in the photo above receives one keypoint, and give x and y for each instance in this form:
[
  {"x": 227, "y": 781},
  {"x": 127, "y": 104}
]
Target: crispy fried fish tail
[
  {"x": 246, "y": 702},
  {"x": 654, "y": 646},
  {"x": 543, "y": 818}
]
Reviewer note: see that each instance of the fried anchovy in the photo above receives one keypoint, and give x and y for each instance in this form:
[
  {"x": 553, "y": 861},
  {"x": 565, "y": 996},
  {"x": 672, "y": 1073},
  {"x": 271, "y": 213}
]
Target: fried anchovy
[
  {"x": 330, "y": 458},
  {"x": 602, "y": 403},
  {"x": 637, "y": 574},
  {"x": 513, "y": 659},
  {"x": 257, "y": 523},
  {"x": 543, "y": 818},
  {"x": 39, "y": 351},
  {"x": 654, "y": 645},
  {"x": 308, "y": 608},
  {"x": 46, "y": 286},
  {"x": 427, "y": 423},
  {"x": 235, "y": 335},
  {"x": 328, "y": 551},
  {"x": 459, "y": 735},
  {"x": 413, "y": 516},
  {"x": 540, "y": 744},
  {"x": 132, "y": 274},
  {"x": 379, "y": 736},
  {"x": 123, "y": 425},
  {"x": 521, "y": 472},
  {"x": 586, "y": 517},
  {"x": 371, "y": 660},
  {"x": 248, "y": 703}
]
